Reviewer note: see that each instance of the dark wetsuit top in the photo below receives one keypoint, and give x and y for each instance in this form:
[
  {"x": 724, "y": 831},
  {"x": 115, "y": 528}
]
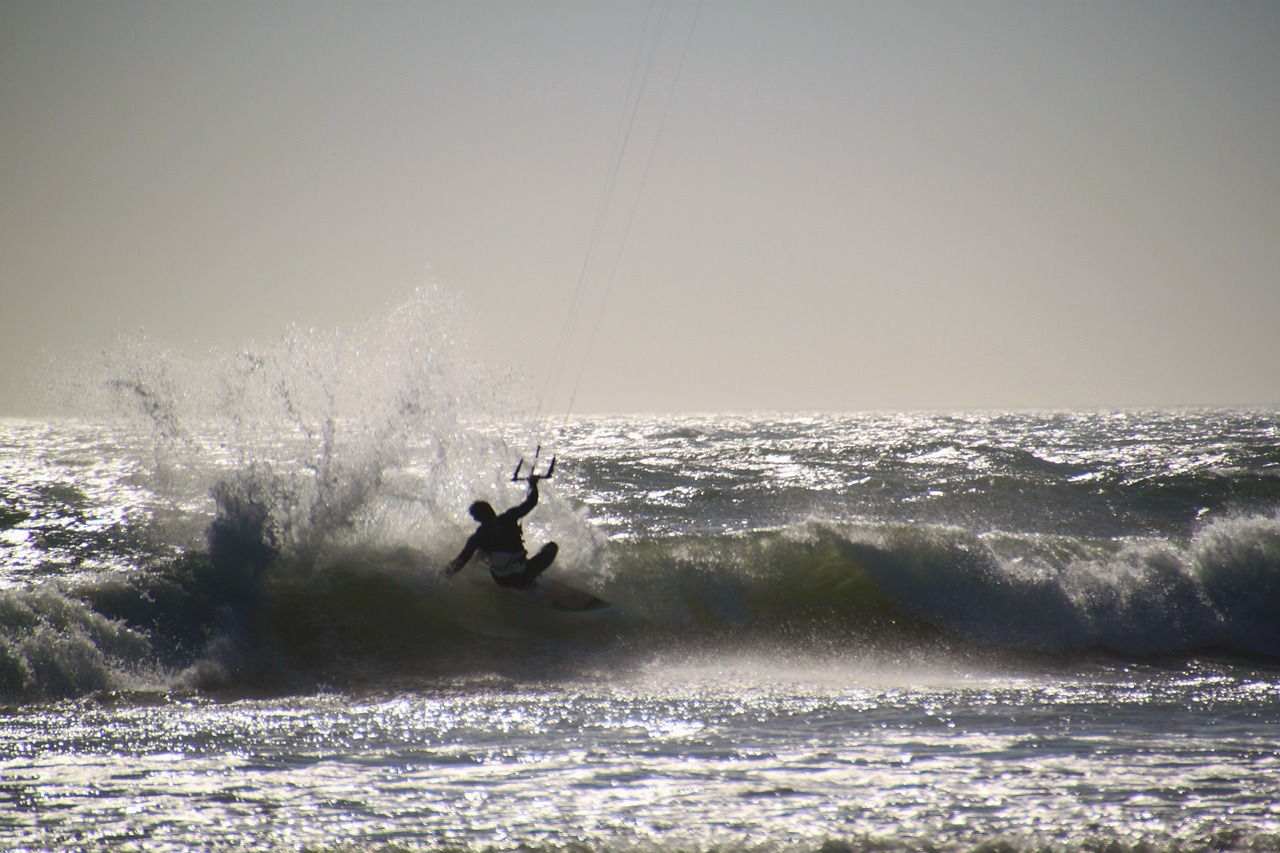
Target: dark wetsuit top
[{"x": 501, "y": 538}]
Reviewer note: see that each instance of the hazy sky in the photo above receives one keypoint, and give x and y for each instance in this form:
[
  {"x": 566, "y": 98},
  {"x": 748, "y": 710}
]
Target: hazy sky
[{"x": 850, "y": 205}]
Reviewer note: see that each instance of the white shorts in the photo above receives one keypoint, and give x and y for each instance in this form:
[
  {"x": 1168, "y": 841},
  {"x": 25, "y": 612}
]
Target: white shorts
[{"x": 505, "y": 563}]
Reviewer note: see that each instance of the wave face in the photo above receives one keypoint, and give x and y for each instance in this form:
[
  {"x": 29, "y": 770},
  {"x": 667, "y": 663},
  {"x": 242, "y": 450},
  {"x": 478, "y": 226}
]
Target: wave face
[
  {"x": 366, "y": 615},
  {"x": 274, "y": 519},
  {"x": 823, "y": 584}
]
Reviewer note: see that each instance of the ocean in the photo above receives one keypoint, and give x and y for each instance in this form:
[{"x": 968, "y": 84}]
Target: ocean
[{"x": 223, "y": 623}]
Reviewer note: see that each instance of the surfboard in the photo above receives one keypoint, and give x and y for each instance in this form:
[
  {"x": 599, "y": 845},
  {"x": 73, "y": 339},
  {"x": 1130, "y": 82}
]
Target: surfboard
[{"x": 547, "y": 592}]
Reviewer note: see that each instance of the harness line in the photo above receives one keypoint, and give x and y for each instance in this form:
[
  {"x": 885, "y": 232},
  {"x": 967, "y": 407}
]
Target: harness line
[
  {"x": 631, "y": 217},
  {"x": 640, "y": 71},
  {"x": 642, "y": 67}
]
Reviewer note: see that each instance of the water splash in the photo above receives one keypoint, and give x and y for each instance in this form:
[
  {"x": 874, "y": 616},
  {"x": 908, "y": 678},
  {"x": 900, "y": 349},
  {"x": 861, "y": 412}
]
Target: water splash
[
  {"x": 307, "y": 437},
  {"x": 291, "y": 462}
]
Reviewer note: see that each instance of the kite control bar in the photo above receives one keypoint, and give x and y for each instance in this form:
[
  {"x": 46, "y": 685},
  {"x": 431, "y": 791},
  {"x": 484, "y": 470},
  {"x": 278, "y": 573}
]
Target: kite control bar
[{"x": 516, "y": 478}]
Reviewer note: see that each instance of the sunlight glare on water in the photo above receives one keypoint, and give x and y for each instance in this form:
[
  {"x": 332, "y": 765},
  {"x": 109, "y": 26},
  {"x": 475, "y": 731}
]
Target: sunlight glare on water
[
  {"x": 871, "y": 631},
  {"x": 678, "y": 754}
]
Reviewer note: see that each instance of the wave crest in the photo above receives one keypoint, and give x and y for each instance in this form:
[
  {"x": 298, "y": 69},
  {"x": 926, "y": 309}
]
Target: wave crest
[{"x": 216, "y": 619}]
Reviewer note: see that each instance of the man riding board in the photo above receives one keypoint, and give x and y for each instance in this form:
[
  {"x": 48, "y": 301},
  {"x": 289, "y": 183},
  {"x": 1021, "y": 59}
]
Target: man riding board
[{"x": 500, "y": 542}]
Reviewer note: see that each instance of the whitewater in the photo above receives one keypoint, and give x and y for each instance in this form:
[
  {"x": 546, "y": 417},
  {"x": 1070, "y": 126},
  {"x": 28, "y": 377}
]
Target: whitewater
[{"x": 223, "y": 623}]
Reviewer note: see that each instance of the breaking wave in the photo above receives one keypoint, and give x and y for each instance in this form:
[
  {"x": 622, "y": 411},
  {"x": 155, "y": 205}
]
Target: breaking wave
[
  {"x": 219, "y": 619},
  {"x": 306, "y": 492}
]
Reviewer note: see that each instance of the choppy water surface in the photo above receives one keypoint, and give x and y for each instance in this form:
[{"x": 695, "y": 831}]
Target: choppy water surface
[
  {"x": 878, "y": 755},
  {"x": 222, "y": 623}
]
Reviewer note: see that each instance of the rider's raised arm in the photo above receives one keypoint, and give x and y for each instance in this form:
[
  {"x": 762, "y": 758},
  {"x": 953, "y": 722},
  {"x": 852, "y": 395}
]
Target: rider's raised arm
[{"x": 529, "y": 502}]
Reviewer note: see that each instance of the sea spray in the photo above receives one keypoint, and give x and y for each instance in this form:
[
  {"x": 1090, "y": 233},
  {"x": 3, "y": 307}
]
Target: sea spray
[
  {"x": 286, "y": 466},
  {"x": 324, "y": 414},
  {"x": 297, "y": 537},
  {"x": 856, "y": 632}
]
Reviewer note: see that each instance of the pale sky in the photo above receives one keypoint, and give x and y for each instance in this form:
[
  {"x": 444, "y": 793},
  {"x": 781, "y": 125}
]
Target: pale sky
[{"x": 849, "y": 205}]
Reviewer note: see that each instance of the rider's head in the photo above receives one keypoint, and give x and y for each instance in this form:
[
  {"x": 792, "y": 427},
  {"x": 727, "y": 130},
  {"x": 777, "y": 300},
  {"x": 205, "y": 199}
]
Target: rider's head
[{"x": 481, "y": 511}]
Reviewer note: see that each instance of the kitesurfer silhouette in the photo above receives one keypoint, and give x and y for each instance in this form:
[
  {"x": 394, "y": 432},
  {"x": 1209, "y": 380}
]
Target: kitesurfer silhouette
[{"x": 500, "y": 542}]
